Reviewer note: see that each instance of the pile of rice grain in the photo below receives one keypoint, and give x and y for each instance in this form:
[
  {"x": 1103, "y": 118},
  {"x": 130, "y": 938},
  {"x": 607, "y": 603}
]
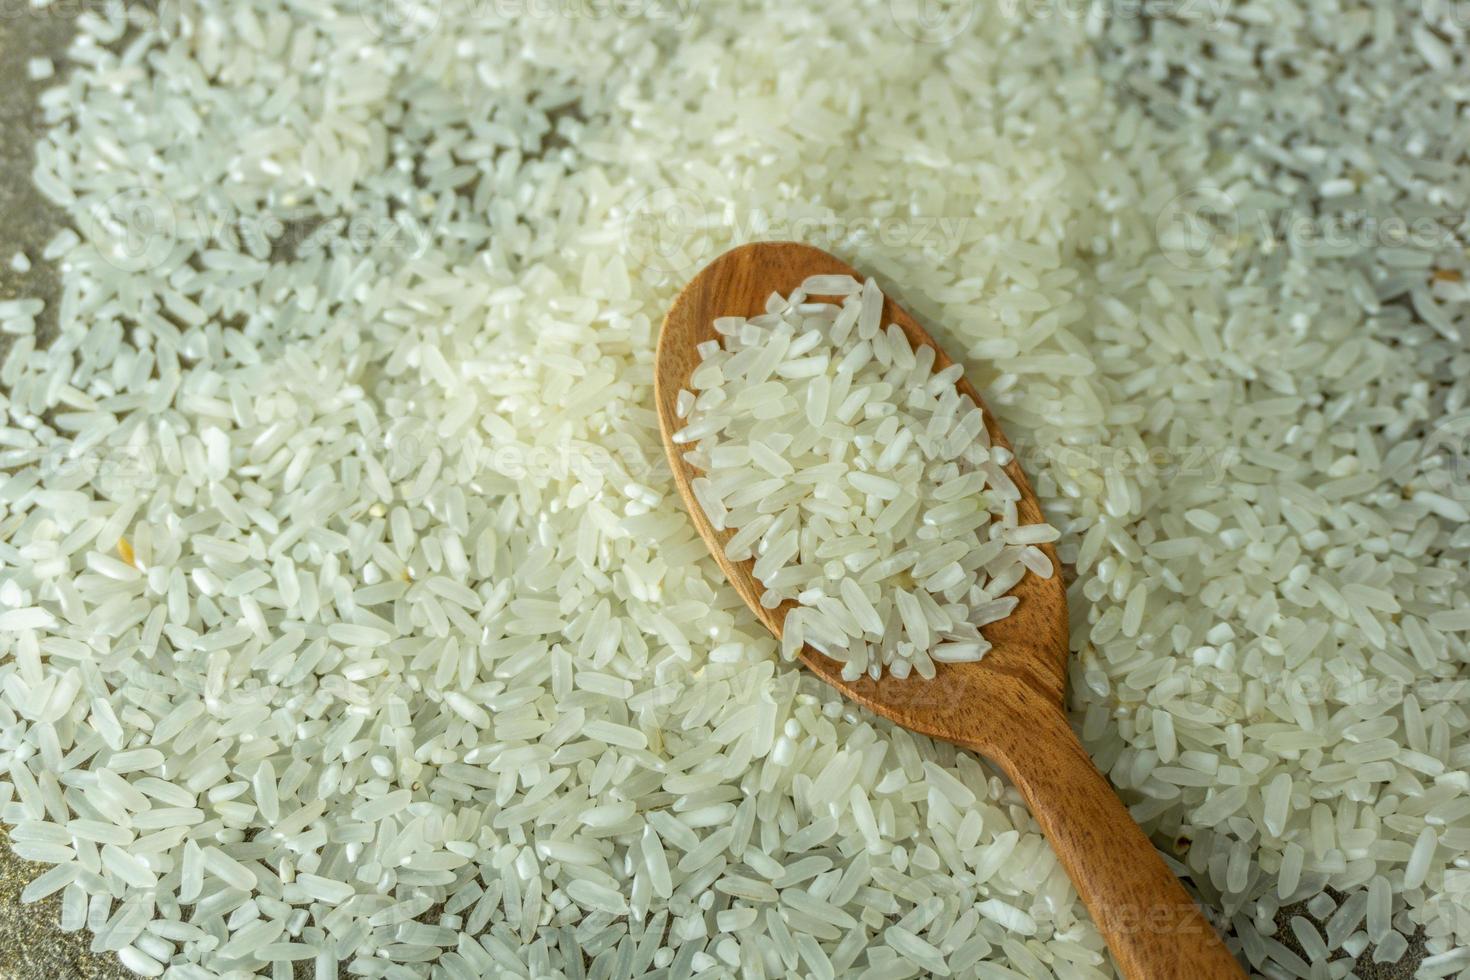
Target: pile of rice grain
[
  {"x": 861, "y": 481},
  {"x": 348, "y": 618}
]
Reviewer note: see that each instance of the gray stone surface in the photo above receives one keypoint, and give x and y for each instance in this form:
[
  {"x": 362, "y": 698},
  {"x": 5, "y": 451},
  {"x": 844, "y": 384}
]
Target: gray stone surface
[
  {"x": 27, "y": 221},
  {"x": 32, "y": 947}
]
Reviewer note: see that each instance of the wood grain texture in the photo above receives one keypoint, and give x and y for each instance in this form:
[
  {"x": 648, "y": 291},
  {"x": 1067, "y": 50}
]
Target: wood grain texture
[{"x": 1009, "y": 706}]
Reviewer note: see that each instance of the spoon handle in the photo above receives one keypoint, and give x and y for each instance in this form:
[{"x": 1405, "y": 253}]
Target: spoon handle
[{"x": 1152, "y": 926}]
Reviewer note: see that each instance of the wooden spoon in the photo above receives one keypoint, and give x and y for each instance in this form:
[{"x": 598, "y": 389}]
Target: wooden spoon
[{"x": 1008, "y": 706}]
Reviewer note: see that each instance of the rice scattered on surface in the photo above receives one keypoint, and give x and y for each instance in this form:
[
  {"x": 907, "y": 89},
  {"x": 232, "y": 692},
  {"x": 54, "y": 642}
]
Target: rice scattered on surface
[{"x": 345, "y": 603}]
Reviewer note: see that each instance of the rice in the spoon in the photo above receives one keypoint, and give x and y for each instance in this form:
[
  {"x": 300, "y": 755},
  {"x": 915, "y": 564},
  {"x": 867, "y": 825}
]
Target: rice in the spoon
[{"x": 861, "y": 481}]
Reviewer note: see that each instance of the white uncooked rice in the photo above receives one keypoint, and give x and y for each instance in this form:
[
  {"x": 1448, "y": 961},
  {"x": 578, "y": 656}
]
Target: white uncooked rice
[
  {"x": 860, "y": 480},
  {"x": 355, "y": 330}
]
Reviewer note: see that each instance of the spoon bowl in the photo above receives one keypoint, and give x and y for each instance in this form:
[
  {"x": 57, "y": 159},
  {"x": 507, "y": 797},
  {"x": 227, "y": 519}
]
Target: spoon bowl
[
  {"x": 1028, "y": 659},
  {"x": 1008, "y": 706}
]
